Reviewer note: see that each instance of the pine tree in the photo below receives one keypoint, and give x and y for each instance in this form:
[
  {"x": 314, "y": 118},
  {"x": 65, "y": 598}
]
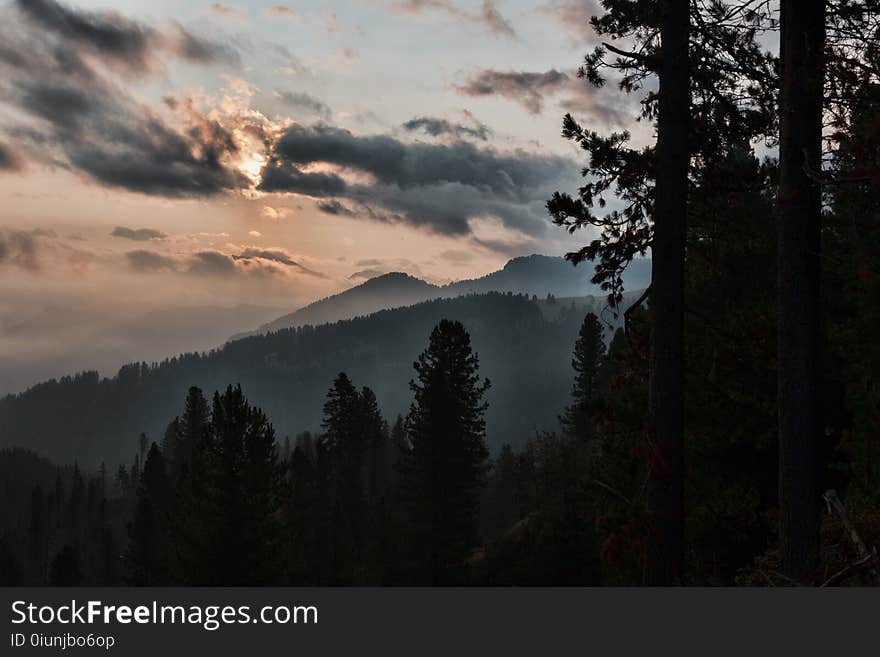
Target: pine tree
[
  {"x": 149, "y": 548},
  {"x": 376, "y": 445},
  {"x": 350, "y": 451},
  {"x": 189, "y": 429},
  {"x": 589, "y": 353},
  {"x": 447, "y": 464},
  {"x": 248, "y": 485},
  {"x": 228, "y": 523}
]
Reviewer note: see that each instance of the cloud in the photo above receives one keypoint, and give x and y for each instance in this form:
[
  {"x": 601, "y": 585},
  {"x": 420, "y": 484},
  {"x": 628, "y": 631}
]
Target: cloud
[
  {"x": 533, "y": 89},
  {"x": 224, "y": 10},
  {"x": 10, "y": 160},
  {"x": 583, "y": 101},
  {"x": 275, "y": 255},
  {"x": 434, "y": 186},
  {"x": 287, "y": 63},
  {"x": 255, "y": 233},
  {"x": 456, "y": 257},
  {"x": 139, "y": 234},
  {"x": 212, "y": 263},
  {"x": 374, "y": 267},
  {"x": 334, "y": 207},
  {"x": 83, "y": 120},
  {"x": 305, "y": 102},
  {"x": 247, "y": 261},
  {"x": 529, "y": 89},
  {"x": 200, "y": 50},
  {"x": 19, "y": 249},
  {"x": 283, "y": 11},
  {"x": 367, "y": 274},
  {"x": 493, "y": 19},
  {"x": 118, "y": 40},
  {"x": 574, "y": 17},
  {"x": 141, "y": 260},
  {"x": 40, "y": 250},
  {"x": 110, "y": 34},
  {"x": 488, "y": 17},
  {"x": 273, "y": 214},
  {"x": 438, "y": 127}
]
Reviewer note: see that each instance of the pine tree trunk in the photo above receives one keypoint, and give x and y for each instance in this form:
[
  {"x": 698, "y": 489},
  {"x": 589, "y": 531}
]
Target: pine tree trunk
[
  {"x": 800, "y": 209},
  {"x": 665, "y": 495}
]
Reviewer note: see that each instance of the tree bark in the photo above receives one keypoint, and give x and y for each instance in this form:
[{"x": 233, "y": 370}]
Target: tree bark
[
  {"x": 665, "y": 495},
  {"x": 798, "y": 336}
]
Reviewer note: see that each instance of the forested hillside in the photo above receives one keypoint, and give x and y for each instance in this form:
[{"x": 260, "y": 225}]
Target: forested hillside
[
  {"x": 531, "y": 275},
  {"x": 524, "y": 346}
]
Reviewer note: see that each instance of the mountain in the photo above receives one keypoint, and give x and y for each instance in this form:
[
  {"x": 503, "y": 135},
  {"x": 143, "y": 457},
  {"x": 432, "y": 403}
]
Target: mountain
[
  {"x": 387, "y": 291},
  {"x": 532, "y": 275},
  {"x": 542, "y": 275},
  {"x": 50, "y": 340},
  {"x": 524, "y": 345}
]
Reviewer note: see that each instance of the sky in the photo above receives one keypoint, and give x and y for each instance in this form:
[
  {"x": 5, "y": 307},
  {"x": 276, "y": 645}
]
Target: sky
[{"x": 174, "y": 172}]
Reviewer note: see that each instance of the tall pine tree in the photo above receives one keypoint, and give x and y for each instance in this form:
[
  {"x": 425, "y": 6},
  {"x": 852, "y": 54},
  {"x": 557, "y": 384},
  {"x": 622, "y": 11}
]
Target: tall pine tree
[
  {"x": 589, "y": 352},
  {"x": 447, "y": 464}
]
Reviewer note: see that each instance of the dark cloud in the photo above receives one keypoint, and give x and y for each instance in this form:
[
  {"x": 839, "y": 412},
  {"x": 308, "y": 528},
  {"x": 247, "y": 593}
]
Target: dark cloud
[
  {"x": 305, "y": 102},
  {"x": 111, "y": 35},
  {"x": 149, "y": 261},
  {"x": 405, "y": 165},
  {"x": 278, "y": 176},
  {"x": 139, "y": 234},
  {"x": 119, "y": 143},
  {"x": 119, "y": 40},
  {"x": 335, "y": 207},
  {"x": 275, "y": 255},
  {"x": 89, "y": 123},
  {"x": 438, "y": 127},
  {"x": 202, "y": 51},
  {"x": 493, "y": 20},
  {"x": 212, "y": 263},
  {"x": 9, "y": 159},
  {"x": 488, "y": 17},
  {"x": 19, "y": 248},
  {"x": 41, "y": 249},
  {"x": 250, "y": 261},
  {"x": 437, "y": 186},
  {"x": 526, "y": 88},
  {"x": 533, "y": 89}
]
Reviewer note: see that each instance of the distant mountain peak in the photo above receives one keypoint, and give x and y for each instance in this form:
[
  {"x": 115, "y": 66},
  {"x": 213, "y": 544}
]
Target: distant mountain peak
[
  {"x": 533, "y": 274},
  {"x": 392, "y": 277}
]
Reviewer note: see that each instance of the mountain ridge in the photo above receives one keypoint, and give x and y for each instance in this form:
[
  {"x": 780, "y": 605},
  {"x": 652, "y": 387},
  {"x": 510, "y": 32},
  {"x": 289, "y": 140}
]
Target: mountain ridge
[
  {"x": 524, "y": 346},
  {"x": 533, "y": 275}
]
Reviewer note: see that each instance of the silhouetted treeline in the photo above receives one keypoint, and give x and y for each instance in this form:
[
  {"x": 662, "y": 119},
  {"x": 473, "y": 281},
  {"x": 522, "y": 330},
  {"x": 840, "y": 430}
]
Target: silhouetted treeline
[
  {"x": 524, "y": 345},
  {"x": 219, "y": 500}
]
